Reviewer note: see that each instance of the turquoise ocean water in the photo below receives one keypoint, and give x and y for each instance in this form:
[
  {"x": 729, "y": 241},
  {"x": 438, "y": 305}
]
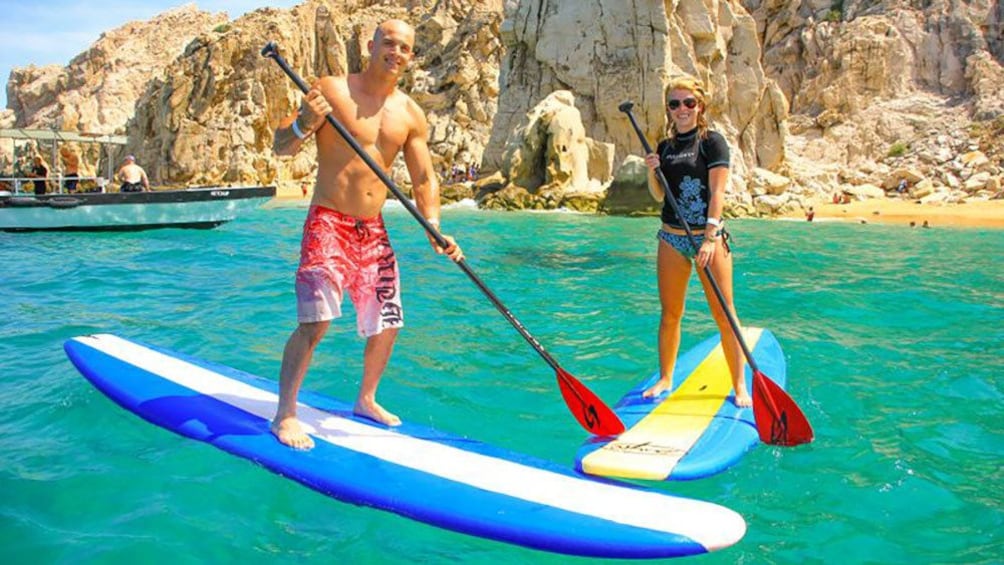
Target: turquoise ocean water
[{"x": 893, "y": 338}]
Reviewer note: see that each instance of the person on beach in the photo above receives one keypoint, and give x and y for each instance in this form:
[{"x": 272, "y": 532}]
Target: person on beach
[
  {"x": 695, "y": 161},
  {"x": 132, "y": 176},
  {"x": 345, "y": 244}
]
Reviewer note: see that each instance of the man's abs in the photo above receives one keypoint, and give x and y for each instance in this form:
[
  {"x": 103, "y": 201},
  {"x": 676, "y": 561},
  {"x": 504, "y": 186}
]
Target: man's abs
[
  {"x": 360, "y": 195},
  {"x": 345, "y": 182}
]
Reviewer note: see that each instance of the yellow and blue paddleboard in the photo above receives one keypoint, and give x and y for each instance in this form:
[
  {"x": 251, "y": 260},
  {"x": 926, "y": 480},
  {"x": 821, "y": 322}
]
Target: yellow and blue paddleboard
[{"x": 692, "y": 431}]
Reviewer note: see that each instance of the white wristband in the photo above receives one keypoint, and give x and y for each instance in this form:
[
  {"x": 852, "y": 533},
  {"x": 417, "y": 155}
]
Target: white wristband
[
  {"x": 714, "y": 222},
  {"x": 296, "y": 129}
]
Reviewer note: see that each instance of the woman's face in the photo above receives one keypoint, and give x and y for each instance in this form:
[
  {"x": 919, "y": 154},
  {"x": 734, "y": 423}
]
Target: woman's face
[{"x": 683, "y": 108}]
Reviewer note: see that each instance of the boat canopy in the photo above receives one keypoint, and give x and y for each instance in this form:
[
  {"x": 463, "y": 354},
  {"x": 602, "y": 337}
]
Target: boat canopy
[
  {"x": 105, "y": 141},
  {"x": 54, "y": 135}
]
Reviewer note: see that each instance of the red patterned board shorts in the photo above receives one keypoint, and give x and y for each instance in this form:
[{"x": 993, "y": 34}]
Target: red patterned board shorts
[{"x": 341, "y": 253}]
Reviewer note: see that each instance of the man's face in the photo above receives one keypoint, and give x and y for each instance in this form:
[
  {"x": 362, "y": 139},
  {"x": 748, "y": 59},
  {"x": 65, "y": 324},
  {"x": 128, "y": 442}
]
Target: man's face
[{"x": 392, "y": 46}]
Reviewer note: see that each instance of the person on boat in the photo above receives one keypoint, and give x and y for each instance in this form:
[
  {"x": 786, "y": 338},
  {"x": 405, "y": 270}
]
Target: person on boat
[
  {"x": 7, "y": 171},
  {"x": 71, "y": 167},
  {"x": 345, "y": 245},
  {"x": 132, "y": 176},
  {"x": 40, "y": 172},
  {"x": 695, "y": 161}
]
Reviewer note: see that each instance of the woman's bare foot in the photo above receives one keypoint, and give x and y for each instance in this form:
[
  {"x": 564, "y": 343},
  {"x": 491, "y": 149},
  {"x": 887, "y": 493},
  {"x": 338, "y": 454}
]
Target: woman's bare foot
[
  {"x": 743, "y": 399},
  {"x": 661, "y": 386},
  {"x": 375, "y": 412},
  {"x": 290, "y": 432}
]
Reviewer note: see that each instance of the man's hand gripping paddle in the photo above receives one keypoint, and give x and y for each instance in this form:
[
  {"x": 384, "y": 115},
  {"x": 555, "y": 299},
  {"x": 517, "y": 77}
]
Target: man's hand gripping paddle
[
  {"x": 779, "y": 420},
  {"x": 595, "y": 416}
]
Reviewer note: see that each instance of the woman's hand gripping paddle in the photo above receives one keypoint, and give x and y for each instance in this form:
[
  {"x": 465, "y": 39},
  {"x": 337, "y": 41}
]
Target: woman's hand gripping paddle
[
  {"x": 595, "y": 416},
  {"x": 779, "y": 421}
]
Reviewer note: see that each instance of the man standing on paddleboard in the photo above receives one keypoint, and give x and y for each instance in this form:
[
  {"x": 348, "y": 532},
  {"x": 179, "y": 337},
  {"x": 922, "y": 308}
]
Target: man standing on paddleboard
[{"x": 345, "y": 244}]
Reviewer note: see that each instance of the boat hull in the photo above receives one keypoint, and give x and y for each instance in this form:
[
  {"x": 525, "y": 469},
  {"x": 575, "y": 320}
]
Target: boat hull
[{"x": 130, "y": 211}]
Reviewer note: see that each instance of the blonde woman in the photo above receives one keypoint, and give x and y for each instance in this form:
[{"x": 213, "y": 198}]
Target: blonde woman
[
  {"x": 40, "y": 171},
  {"x": 695, "y": 162}
]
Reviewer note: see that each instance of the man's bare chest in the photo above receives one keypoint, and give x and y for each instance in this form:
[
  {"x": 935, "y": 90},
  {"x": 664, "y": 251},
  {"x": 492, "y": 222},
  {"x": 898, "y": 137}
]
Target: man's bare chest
[{"x": 386, "y": 128}]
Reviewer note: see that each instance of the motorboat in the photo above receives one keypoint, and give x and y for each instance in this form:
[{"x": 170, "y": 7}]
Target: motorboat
[
  {"x": 30, "y": 203},
  {"x": 204, "y": 208}
]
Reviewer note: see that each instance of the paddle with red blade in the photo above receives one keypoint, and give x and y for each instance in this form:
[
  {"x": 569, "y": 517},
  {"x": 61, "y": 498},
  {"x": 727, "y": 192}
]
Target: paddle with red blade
[
  {"x": 779, "y": 421},
  {"x": 595, "y": 416}
]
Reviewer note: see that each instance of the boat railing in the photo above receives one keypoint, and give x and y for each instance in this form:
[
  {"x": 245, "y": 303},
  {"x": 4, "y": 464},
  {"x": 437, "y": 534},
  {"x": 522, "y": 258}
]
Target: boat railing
[{"x": 55, "y": 184}]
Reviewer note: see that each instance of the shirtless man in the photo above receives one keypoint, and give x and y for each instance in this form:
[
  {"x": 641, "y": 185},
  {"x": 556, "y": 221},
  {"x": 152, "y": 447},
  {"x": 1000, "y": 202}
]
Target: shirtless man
[
  {"x": 71, "y": 167},
  {"x": 132, "y": 176},
  {"x": 345, "y": 246}
]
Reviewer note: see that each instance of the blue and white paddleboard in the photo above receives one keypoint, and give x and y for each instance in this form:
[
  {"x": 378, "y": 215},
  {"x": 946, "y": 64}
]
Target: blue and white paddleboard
[
  {"x": 692, "y": 431},
  {"x": 419, "y": 473}
]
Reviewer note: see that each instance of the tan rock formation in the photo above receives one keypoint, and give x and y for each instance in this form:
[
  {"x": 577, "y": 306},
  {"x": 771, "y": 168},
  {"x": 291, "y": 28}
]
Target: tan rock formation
[
  {"x": 199, "y": 104},
  {"x": 98, "y": 90},
  {"x": 606, "y": 56},
  {"x": 828, "y": 96},
  {"x": 628, "y": 192},
  {"x": 211, "y": 119},
  {"x": 550, "y": 151},
  {"x": 877, "y": 87},
  {"x": 455, "y": 77},
  {"x": 206, "y": 120}
]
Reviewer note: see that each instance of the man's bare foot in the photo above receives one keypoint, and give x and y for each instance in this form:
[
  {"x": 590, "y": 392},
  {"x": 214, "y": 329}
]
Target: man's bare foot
[
  {"x": 375, "y": 412},
  {"x": 661, "y": 386},
  {"x": 743, "y": 399},
  {"x": 290, "y": 432}
]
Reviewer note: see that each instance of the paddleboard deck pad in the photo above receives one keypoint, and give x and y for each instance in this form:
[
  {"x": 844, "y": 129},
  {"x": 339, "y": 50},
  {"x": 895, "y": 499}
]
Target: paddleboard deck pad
[
  {"x": 692, "y": 431},
  {"x": 443, "y": 480}
]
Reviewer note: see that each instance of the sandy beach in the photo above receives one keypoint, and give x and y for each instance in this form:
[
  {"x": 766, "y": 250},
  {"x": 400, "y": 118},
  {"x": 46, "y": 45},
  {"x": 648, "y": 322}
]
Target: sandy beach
[{"x": 989, "y": 214}]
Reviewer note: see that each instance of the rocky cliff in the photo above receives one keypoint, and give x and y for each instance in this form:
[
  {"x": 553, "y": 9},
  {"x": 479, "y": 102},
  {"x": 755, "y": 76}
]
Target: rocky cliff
[
  {"x": 99, "y": 89},
  {"x": 815, "y": 97},
  {"x": 883, "y": 91}
]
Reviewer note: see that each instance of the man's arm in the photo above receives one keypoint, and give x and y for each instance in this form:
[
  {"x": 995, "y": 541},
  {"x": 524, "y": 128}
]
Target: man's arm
[
  {"x": 425, "y": 186},
  {"x": 286, "y": 141},
  {"x": 146, "y": 181},
  {"x": 294, "y": 129}
]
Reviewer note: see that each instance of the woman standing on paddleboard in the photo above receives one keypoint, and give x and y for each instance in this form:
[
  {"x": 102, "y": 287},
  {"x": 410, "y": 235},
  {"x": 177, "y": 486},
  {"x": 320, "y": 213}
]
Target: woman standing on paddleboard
[{"x": 695, "y": 162}]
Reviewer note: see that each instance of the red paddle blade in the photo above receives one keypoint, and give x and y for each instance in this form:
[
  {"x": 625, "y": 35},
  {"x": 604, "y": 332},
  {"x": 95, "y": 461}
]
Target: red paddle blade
[
  {"x": 779, "y": 421},
  {"x": 592, "y": 414}
]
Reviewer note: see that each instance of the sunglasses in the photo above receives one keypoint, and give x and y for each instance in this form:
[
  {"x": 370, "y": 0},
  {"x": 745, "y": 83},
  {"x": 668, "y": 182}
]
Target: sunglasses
[{"x": 689, "y": 102}]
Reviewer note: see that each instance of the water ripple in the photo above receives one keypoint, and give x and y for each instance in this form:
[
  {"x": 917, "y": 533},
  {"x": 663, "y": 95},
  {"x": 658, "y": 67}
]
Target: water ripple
[{"x": 892, "y": 338}]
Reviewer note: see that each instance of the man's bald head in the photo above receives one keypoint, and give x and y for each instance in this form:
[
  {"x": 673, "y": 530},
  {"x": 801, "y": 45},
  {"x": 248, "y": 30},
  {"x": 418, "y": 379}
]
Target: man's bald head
[{"x": 391, "y": 27}]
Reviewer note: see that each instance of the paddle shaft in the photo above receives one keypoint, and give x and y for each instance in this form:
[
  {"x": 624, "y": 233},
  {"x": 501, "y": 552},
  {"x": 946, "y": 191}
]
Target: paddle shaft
[
  {"x": 693, "y": 242},
  {"x": 271, "y": 51}
]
